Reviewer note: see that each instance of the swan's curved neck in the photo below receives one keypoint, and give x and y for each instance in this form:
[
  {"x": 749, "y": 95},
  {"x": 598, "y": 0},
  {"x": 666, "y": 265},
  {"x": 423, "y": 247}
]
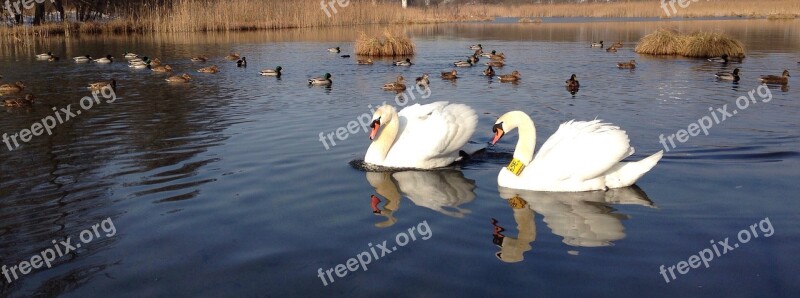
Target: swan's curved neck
[
  {"x": 527, "y": 136},
  {"x": 380, "y": 146}
]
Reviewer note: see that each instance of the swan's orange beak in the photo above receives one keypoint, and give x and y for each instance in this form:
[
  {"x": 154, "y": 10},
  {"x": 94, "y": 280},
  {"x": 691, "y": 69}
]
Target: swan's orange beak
[
  {"x": 376, "y": 125},
  {"x": 498, "y": 132}
]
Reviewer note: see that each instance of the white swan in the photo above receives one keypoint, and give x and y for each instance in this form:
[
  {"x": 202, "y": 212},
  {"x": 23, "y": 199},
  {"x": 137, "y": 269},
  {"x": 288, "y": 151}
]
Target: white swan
[
  {"x": 420, "y": 136},
  {"x": 579, "y": 156}
]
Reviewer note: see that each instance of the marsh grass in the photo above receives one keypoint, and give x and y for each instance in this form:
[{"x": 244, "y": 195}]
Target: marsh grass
[
  {"x": 390, "y": 44},
  {"x": 698, "y": 44}
]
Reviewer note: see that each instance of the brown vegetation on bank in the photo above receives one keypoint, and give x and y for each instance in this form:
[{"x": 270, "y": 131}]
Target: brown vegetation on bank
[
  {"x": 698, "y": 44},
  {"x": 392, "y": 44}
]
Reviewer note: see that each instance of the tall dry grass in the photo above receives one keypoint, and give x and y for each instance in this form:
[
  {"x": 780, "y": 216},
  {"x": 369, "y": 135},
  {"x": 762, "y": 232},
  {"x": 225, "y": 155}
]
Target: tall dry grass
[
  {"x": 661, "y": 42},
  {"x": 392, "y": 44},
  {"x": 698, "y": 44}
]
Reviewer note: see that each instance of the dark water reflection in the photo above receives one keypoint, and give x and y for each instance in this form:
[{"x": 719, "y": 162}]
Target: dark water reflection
[{"x": 221, "y": 186}]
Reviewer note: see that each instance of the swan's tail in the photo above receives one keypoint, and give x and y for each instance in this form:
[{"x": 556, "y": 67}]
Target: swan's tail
[{"x": 626, "y": 173}]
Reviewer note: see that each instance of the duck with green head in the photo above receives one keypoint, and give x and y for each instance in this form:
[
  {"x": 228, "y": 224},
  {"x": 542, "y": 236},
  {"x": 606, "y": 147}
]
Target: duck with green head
[
  {"x": 728, "y": 76},
  {"x": 272, "y": 72},
  {"x": 325, "y": 80}
]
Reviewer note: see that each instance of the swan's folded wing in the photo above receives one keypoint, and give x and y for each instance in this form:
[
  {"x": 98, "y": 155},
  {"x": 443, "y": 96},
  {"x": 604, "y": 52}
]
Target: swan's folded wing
[
  {"x": 581, "y": 150},
  {"x": 433, "y": 130}
]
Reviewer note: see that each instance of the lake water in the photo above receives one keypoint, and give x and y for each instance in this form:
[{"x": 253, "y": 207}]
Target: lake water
[{"x": 221, "y": 187}]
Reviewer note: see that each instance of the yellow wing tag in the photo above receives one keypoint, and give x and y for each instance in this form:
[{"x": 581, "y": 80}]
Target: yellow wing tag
[
  {"x": 516, "y": 166},
  {"x": 516, "y": 202}
]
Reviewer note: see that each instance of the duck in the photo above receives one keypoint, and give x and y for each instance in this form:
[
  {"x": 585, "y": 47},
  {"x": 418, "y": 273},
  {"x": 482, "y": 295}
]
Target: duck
[
  {"x": 210, "y": 69},
  {"x": 498, "y": 57},
  {"x": 496, "y": 63},
  {"x": 233, "y": 56},
  {"x": 489, "y": 55},
  {"x": 627, "y": 65},
  {"x": 397, "y": 85},
  {"x": 272, "y": 72},
  {"x": 423, "y": 80},
  {"x": 53, "y": 59},
  {"x": 137, "y": 60},
  {"x": 155, "y": 62},
  {"x": 44, "y": 56},
  {"x": 16, "y": 87},
  {"x": 729, "y": 76},
  {"x": 179, "y": 79},
  {"x": 242, "y": 62},
  {"x": 489, "y": 71},
  {"x": 611, "y": 49},
  {"x": 450, "y": 75},
  {"x": 82, "y": 59},
  {"x": 420, "y": 136},
  {"x": 573, "y": 82},
  {"x": 368, "y": 61},
  {"x": 19, "y": 102},
  {"x": 334, "y": 50},
  {"x": 617, "y": 44},
  {"x": 201, "y": 58},
  {"x": 476, "y": 47},
  {"x": 406, "y": 62},
  {"x": 105, "y": 60},
  {"x": 773, "y": 79},
  {"x": 325, "y": 80},
  {"x": 720, "y": 59},
  {"x": 579, "y": 156},
  {"x": 104, "y": 84},
  {"x": 462, "y": 63},
  {"x": 597, "y": 44},
  {"x": 165, "y": 68},
  {"x": 513, "y": 77},
  {"x": 140, "y": 65},
  {"x": 129, "y": 55}
]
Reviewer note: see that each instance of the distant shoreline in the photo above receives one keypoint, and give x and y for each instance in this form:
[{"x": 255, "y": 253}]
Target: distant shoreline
[{"x": 250, "y": 15}]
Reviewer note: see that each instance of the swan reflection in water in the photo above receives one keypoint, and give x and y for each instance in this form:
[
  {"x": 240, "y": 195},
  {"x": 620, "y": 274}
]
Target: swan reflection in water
[
  {"x": 582, "y": 219},
  {"x": 443, "y": 191}
]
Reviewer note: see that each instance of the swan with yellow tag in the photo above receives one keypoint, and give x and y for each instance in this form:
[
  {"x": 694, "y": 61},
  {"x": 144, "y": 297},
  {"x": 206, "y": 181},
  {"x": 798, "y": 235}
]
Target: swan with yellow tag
[
  {"x": 579, "y": 156},
  {"x": 421, "y": 136}
]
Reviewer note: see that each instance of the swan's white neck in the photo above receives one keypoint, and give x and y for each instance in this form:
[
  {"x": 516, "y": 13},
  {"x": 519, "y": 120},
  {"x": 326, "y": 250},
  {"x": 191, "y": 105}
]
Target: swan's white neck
[
  {"x": 386, "y": 136},
  {"x": 527, "y": 135}
]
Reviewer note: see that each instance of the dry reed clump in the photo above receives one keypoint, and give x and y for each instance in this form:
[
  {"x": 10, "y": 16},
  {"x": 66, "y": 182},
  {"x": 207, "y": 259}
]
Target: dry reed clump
[
  {"x": 529, "y": 20},
  {"x": 699, "y": 45},
  {"x": 709, "y": 44},
  {"x": 392, "y": 44},
  {"x": 661, "y": 42}
]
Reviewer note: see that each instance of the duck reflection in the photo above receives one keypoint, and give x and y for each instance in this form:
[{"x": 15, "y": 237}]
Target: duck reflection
[
  {"x": 582, "y": 219},
  {"x": 443, "y": 191}
]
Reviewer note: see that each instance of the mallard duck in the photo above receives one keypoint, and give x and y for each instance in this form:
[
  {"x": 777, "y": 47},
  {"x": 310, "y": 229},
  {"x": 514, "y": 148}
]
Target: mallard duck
[
  {"x": 489, "y": 71},
  {"x": 462, "y": 63},
  {"x": 16, "y": 87},
  {"x": 165, "y": 68},
  {"x": 476, "y": 47},
  {"x": 138, "y": 60},
  {"x": 140, "y": 65},
  {"x": 611, "y": 49},
  {"x": 729, "y": 76},
  {"x": 44, "y": 56},
  {"x": 82, "y": 59},
  {"x": 514, "y": 76},
  {"x": 498, "y": 57},
  {"x": 365, "y": 62},
  {"x": 129, "y": 55},
  {"x": 19, "y": 102},
  {"x": 233, "y": 56},
  {"x": 105, "y": 60},
  {"x": 407, "y": 62},
  {"x": 397, "y": 85},
  {"x": 496, "y": 63},
  {"x": 772, "y": 79},
  {"x": 573, "y": 82},
  {"x": 597, "y": 44},
  {"x": 450, "y": 75},
  {"x": 627, "y": 65},
  {"x": 210, "y": 69},
  {"x": 334, "y": 50},
  {"x": 101, "y": 85},
  {"x": 325, "y": 80},
  {"x": 423, "y": 80},
  {"x": 242, "y": 62},
  {"x": 489, "y": 55},
  {"x": 179, "y": 79},
  {"x": 53, "y": 58},
  {"x": 155, "y": 62},
  {"x": 720, "y": 59},
  {"x": 202, "y": 58},
  {"x": 272, "y": 72},
  {"x": 617, "y": 45}
]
